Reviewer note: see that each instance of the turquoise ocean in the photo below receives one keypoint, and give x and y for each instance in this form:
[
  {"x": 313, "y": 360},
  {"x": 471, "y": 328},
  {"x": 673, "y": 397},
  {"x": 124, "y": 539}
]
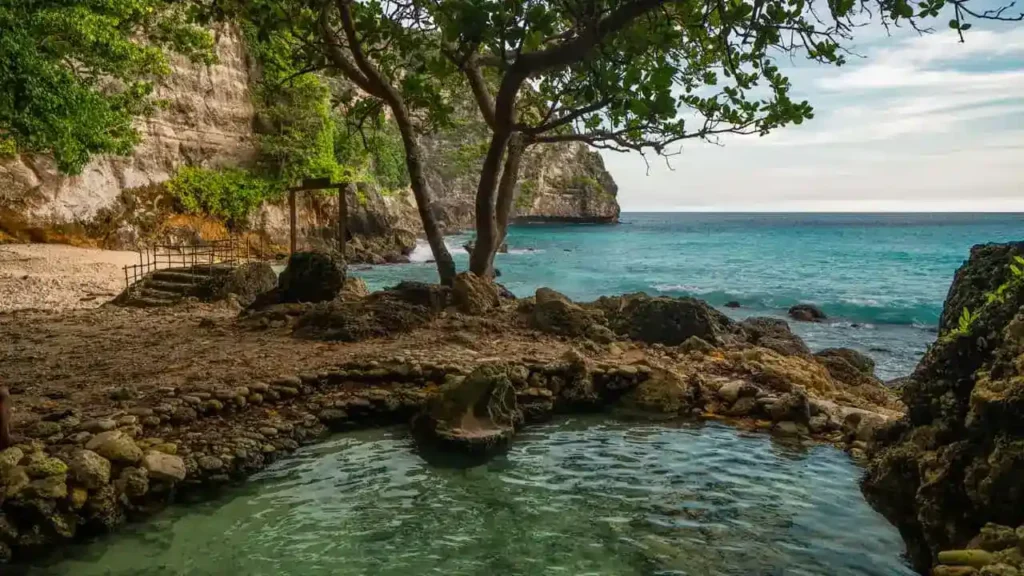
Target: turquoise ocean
[{"x": 881, "y": 278}]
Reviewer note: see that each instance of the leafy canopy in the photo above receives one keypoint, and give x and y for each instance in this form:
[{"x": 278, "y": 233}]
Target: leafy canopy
[
  {"x": 75, "y": 73},
  {"x": 643, "y": 74}
]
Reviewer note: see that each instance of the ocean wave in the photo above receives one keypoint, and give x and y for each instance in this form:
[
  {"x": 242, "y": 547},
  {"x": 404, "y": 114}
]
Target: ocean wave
[
  {"x": 422, "y": 252},
  {"x": 845, "y": 312},
  {"x": 526, "y": 251}
]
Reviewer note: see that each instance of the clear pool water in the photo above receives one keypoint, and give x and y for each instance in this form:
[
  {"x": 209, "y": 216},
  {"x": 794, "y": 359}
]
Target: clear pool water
[{"x": 580, "y": 496}]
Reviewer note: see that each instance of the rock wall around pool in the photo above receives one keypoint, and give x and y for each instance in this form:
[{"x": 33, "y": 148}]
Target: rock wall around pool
[{"x": 953, "y": 469}]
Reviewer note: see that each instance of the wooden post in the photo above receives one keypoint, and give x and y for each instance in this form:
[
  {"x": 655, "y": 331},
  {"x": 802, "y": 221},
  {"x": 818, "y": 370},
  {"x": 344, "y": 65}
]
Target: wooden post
[
  {"x": 292, "y": 217},
  {"x": 343, "y": 220}
]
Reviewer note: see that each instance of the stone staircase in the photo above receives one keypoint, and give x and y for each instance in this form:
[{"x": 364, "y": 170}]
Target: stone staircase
[{"x": 168, "y": 286}]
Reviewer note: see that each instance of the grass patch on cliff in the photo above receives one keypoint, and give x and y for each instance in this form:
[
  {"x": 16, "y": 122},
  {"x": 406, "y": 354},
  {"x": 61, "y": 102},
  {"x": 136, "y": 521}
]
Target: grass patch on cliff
[{"x": 230, "y": 194}]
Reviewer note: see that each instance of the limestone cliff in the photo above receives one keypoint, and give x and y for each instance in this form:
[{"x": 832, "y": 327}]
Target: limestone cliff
[
  {"x": 209, "y": 121},
  {"x": 557, "y": 182}
]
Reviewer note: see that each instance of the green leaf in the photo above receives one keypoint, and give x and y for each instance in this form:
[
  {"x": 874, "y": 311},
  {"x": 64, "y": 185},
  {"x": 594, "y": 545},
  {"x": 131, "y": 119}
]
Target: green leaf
[{"x": 954, "y": 24}]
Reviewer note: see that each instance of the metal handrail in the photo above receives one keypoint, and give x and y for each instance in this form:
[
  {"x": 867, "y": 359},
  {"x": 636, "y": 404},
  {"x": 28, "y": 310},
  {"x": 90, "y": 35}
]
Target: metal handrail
[{"x": 226, "y": 252}]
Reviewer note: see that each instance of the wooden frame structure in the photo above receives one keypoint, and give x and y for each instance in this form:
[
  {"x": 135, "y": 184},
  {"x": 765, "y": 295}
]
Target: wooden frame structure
[{"x": 309, "y": 184}]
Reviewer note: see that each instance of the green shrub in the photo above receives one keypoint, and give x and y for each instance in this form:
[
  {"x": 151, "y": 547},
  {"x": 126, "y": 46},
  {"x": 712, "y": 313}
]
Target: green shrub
[
  {"x": 229, "y": 194},
  {"x": 7, "y": 147}
]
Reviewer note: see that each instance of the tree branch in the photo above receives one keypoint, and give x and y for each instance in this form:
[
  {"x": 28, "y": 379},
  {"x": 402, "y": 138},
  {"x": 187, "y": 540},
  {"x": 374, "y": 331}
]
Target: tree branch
[{"x": 481, "y": 92}]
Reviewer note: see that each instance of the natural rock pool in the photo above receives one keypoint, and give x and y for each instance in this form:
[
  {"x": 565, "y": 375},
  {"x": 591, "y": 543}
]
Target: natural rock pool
[{"x": 578, "y": 496}]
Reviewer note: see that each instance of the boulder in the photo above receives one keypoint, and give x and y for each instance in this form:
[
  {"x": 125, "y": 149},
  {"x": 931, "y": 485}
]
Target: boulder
[
  {"x": 311, "y": 277},
  {"x": 956, "y": 461},
  {"x": 133, "y": 482},
  {"x": 663, "y": 392},
  {"x": 848, "y": 366},
  {"x": 474, "y": 295},
  {"x": 774, "y": 334},
  {"x": 790, "y": 407},
  {"x": 381, "y": 314},
  {"x": 554, "y": 313},
  {"x": 164, "y": 467},
  {"x": 986, "y": 270},
  {"x": 89, "y": 469},
  {"x": 807, "y": 313},
  {"x": 860, "y": 361},
  {"x": 664, "y": 320},
  {"x": 354, "y": 288},
  {"x": 434, "y": 297},
  {"x": 115, "y": 446},
  {"x": 475, "y": 415},
  {"x": 246, "y": 282}
]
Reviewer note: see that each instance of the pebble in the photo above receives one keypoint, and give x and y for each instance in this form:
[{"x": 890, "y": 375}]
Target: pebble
[
  {"x": 287, "y": 381},
  {"x": 9, "y": 458},
  {"x": 184, "y": 415},
  {"x": 210, "y": 463},
  {"x": 50, "y": 488},
  {"x": 78, "y": 497},
  {"x": 163, "y": 466},
  {"x": 43, "y": 429},
  {"x": 97, "y": 426},
  {"x": 116, "y": 446},
  {"x": 259, "y": 387},
  {"x": 975, "y": 558},
  {"x": 213, "y": 405},
  {"x": 128, "y": 420},
  {"x": 286, "y": 391},
  {"x": 192, "y": 400},
  {"x": 46, "y": 467},
  {"x": 89, "y": 469},
  {"x": 256, "y": 398},
  {"x": 140, "y": 412},
  {"x": 241, "y": 391},
  {"x": 268, "y": 431}
]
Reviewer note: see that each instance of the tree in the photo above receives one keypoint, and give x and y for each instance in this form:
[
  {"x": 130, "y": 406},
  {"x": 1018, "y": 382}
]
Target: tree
[
  {"x": 642, "y": 75},
  {"x": 74, "y": 74},
  {"x": 393, "y": 60},
  {"x": 616, "y": 74}
]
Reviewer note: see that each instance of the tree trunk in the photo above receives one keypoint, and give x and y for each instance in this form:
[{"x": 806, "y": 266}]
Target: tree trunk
[
  {"x": 480, "y": 261},
  {"x": 507, "y": 186},
  {"x": 424, "y": 201},
  {"x": 366, "y": 76}
]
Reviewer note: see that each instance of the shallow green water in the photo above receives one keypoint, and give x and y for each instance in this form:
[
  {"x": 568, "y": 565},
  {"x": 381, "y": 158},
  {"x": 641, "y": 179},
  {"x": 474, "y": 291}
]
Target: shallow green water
[{"x": 574, "y": 497}]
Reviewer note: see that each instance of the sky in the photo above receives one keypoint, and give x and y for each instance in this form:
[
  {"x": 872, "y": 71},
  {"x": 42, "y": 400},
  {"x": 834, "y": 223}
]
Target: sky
[{"x": 918, "y": 123}]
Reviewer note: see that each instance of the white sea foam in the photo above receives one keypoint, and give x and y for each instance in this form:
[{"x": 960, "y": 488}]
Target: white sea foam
[{"x": 421, "y": 253}]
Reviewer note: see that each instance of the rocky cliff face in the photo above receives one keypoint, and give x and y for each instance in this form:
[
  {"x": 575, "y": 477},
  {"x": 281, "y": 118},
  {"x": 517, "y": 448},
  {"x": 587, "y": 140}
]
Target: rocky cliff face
[
  {"x": 209, "y": 121},
  {"x": 557, "y": 182},
  {"x": 956, "y": 462}
]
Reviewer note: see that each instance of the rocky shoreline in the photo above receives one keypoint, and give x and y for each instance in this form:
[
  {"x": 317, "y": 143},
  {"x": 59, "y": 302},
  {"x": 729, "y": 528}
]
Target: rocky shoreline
[
  {"x": 120, "y": 412},
  {"x": 89, "y": 455}
]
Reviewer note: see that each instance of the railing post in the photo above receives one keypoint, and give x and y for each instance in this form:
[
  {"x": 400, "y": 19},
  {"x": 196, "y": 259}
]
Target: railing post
[
  {"x": 343, "y": 219},
  {"x": 292, "y": 218}
]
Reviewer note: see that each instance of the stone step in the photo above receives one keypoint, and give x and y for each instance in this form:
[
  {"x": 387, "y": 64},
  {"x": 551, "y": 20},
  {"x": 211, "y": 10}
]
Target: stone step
[
  {"x": 157, "y": 294},
  {"x": 175, "y": 287},
  {"x": 179, "y": 276},
  {"x": 142, "y": 301}
]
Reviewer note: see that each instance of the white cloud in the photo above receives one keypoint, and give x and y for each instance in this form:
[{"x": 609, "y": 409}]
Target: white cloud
[{"x": 924, "y": 123}]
